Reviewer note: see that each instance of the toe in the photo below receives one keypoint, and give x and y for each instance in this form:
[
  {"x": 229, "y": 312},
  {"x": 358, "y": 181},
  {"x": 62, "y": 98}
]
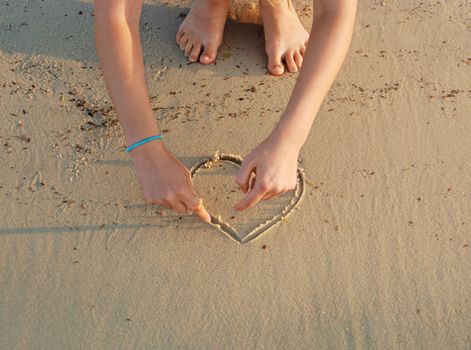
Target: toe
[
  {"x": 183, "y": 41},
  {"x": 292, "y": 67},
  {"x": 179, "y": 34},
  {"x": 298, "y": 59},
  {"x": 275, "y": 66},
  {"x": 302, "y": 50},
  {"x": 209, "y": 54},
  {"x": 188, "y": 47},
  {"x": 195, "y": 53}
]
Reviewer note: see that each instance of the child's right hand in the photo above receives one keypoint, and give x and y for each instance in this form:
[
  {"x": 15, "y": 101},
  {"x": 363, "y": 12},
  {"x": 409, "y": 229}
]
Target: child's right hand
[{"x": 165, "y": 180}]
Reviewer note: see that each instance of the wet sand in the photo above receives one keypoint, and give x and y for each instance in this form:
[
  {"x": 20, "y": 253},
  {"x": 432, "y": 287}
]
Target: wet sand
[{"x": 378, "y": 255}]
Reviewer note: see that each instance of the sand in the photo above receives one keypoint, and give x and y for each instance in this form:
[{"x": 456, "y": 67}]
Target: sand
[{"x": 378, "y": 255}]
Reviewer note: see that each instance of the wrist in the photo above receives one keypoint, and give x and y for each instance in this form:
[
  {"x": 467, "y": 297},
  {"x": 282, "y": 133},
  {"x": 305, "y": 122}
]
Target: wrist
[
  {"x": 137, "y": 125},
  {"x": 153, "y": 147},
  {"x": 138, "y": 135},
  {"x": 143, "y": 141},
  {"x": 286, "y": 135}
]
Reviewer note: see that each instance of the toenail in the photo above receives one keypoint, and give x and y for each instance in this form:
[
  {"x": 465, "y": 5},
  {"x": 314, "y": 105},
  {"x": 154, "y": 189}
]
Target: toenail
[{"x": 206, "y": 58}]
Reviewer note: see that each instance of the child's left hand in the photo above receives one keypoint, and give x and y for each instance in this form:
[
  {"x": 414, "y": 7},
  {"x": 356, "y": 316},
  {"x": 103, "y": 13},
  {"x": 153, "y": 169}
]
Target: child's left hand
[{"x": 275, "y": 164}]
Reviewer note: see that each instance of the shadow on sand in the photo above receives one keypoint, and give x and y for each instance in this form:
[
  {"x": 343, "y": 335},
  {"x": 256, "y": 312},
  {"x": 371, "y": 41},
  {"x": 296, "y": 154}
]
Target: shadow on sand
[{"x": 66, "y": 32}]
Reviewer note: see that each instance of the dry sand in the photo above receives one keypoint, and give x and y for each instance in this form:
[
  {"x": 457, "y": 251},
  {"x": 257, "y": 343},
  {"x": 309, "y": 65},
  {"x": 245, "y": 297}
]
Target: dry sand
[{"x": 377, "y": 257}]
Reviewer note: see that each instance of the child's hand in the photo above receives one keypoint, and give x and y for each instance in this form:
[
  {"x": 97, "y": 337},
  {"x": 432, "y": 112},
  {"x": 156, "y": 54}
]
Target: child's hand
[
  {"x": 166, "y": 181},
  {"x": 275, "y": 164}
]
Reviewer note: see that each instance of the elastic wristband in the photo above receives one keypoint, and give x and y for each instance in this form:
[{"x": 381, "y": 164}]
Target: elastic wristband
[{"x": 143, "y": 141}]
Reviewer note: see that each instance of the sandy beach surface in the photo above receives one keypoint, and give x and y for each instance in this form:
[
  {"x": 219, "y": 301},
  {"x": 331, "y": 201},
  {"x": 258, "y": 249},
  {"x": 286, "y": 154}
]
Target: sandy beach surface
[{"x": 377, "y": 256}]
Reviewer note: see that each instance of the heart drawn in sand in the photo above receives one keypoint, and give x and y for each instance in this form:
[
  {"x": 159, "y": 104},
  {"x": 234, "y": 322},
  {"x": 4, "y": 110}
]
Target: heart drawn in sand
[{"x": 214, "y": 178}]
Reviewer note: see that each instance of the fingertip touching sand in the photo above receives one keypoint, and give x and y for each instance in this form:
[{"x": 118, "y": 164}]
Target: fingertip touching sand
[{"x": 200, "y": 34}]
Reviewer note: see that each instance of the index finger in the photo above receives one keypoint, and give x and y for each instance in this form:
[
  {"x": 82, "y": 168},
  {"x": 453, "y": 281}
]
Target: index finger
[
  {"x": 196, "y": 206},
  {"x": 202, "y": 212},
  {"x": 252, "y": 198}
]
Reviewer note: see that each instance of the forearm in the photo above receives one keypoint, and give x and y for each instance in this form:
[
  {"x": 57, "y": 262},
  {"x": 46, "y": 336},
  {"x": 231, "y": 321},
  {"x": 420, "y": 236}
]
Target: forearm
[
  {"x": 119, "y": 50},
  {"x": 326, "y": 50}
]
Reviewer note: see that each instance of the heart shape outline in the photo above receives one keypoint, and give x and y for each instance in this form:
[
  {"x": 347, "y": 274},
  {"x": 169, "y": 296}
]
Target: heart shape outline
[{"x": 206, "y": 162}]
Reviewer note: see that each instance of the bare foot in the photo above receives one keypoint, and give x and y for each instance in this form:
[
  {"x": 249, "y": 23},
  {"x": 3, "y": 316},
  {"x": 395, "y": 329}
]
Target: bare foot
[
  {"x": 200, "y": 34},
  {"x": 285, "y": 36}
]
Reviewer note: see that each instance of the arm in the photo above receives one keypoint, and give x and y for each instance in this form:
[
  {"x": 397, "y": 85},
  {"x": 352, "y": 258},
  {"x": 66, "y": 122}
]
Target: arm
[
  {"x": 326, "y": 50},
  {"x": 119, "y": 50},
  {"x": 275, "y": 159},
  {"x": 163, "y": 179}
]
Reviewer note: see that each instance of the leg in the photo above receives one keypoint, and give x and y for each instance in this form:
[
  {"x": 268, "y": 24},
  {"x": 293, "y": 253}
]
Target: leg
[
  {"x": 200, "y": 34},
  {"x": 285, "y": 36}
]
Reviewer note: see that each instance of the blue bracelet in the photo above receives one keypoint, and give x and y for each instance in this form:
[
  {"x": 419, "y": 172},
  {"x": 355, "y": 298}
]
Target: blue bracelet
[{"x": 143, "y": 141}]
